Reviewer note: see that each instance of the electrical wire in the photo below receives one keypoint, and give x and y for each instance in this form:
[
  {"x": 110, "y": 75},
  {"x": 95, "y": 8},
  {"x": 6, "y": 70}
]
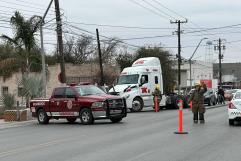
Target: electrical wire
[
  {"x": 153, "y": 11},
  {"x": 24, "y": 5},
  {"x": 150, "y": 4},
  {"x": 121, "y": 26},
  {"x": 23, "y": 10}
]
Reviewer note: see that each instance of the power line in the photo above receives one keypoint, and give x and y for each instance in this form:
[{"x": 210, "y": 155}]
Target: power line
[
  {"x": 102, "y": 36},
  {"x": 23, "y": 5},
  {"x": 147, "y": 37},
  {"x": 162, "y": 5},
  {"x": 214, "y": 28},
  {"x": 6, "y": 27},
  {"x": 2, "y": 12},
  {"x": 150, "y": 4},
  {"x": 32, "y": 3},
  {"x": 151, "y": 10},
  {"x": 121, "y": 26},
  {"x": 22, "y": 10}
]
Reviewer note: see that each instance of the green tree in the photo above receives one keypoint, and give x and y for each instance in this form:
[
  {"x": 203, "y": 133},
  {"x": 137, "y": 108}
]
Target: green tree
[
  {"x": 124, "y": 60},
  {"x": 23, "y": 40},
  {"x": 7, "y": 60}
]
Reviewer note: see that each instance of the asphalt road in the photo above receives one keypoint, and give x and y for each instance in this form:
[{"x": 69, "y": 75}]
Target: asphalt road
[{"x": 141, "y": 136}]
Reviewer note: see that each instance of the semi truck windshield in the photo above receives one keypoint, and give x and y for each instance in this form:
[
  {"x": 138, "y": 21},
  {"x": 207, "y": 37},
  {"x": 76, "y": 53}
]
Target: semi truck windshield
[{"x": 128, "y": 79}]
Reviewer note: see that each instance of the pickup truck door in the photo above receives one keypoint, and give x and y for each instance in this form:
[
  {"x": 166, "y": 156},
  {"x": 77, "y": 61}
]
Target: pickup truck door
[
  {"x": 70, "y": 104},
  {"x": 57, "y": 101}
]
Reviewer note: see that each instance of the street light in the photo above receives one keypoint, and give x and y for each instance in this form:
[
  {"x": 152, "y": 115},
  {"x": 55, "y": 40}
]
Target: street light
[{"x": 190, "y": 60}]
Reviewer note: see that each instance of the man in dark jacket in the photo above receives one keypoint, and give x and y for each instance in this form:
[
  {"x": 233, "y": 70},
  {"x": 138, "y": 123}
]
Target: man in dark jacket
[
  {"x": 198, "y": 102},
  {"x": 221, "y": 95}
]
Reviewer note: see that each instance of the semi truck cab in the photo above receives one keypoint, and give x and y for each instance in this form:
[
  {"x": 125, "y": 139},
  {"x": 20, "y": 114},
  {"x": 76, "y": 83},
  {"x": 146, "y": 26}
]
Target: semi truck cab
[{"x": 137, "y": 83}]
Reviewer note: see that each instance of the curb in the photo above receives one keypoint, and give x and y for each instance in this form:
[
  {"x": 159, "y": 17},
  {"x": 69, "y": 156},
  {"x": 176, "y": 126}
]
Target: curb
[
  {"x": 216, "y": 106},
  {"x": 4, "y": 125}
]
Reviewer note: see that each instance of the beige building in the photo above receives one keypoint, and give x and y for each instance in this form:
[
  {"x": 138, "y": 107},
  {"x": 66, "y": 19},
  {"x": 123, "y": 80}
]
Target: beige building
[{"x": 74, "y": 74}]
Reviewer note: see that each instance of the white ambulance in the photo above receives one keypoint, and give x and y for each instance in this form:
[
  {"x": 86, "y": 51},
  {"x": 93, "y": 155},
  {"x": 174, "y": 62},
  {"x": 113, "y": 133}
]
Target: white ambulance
[{"x": 136, "y": 83}]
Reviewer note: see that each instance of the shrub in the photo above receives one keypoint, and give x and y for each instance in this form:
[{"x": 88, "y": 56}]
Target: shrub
[{"x": 8, "y": 101}]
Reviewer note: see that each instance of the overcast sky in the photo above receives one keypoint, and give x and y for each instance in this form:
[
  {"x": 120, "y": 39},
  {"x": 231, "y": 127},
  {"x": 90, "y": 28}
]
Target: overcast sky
[{"x": 152, "y": 14}]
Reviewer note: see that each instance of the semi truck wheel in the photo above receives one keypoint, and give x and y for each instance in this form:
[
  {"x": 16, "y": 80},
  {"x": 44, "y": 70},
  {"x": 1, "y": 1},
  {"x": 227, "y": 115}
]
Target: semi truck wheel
[
  {"x": 71, "y": 119},
  {"x": 42, "y": 117},
  {"x": 86, "y": 116},
  {"x": 137, "y": 105}
]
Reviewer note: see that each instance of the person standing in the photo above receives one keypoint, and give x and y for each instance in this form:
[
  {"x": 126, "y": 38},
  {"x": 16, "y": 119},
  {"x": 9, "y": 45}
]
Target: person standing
[
  {"x": 157, "y": 93},
  {"x": 197, "y": 99},
  {"x": 221, "y": 95}
]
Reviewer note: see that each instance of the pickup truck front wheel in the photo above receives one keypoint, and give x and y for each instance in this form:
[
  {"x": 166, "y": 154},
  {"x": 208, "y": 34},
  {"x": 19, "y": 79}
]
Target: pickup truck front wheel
[
  {"x": 86, "y": 116},
  {"x": 42, "y": 117}
]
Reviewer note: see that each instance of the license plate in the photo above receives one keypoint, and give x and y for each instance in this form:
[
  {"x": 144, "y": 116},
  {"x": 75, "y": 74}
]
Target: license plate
[{"x": 115, "y": 111}]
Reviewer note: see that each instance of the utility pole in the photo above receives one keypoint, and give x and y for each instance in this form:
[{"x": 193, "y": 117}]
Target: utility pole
[
  {"x": 60, "y": 41},
  {"x": 100, "y": 59},
  {"x": 42, "y": 51},
  {"x": 179, "y": 51},
  {"x": 220, "y": 47}
]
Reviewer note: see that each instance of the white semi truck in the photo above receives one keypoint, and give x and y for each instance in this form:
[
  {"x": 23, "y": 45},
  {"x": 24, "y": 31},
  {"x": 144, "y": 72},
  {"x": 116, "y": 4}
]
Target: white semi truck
[{"x": 136, "y": 83}]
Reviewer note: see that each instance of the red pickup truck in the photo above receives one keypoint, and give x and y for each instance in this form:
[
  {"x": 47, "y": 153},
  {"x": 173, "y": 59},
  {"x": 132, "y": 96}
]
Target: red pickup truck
[{"x": 86, "y": 102}]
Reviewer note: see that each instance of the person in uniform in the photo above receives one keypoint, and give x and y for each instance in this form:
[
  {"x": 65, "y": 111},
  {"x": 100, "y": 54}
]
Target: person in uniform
[
  {"x": 197, "y": 99},
  {"x": 157, "y": 93}
]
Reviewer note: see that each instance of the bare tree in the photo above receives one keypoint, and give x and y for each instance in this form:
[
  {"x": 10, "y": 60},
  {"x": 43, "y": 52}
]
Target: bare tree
[
  {"x": 109, "y": 50},
  {"x": 79, "y": 51}
]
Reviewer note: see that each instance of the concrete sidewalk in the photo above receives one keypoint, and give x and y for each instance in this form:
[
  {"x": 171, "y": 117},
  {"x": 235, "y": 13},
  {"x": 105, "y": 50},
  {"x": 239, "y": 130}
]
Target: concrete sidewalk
[{"x": 4, "y": 124}]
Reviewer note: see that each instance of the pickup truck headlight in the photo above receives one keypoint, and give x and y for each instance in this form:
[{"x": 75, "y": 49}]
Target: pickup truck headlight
[{"x": 98, "y": 105}]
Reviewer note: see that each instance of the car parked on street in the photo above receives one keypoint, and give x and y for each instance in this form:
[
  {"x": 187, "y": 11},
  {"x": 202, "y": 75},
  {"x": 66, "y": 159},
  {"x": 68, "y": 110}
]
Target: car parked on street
[
  {"x": 172, "y": 101},
  {"x": 87, "y": 102},
  {"x": 234, "y": 108},
  {"x": 210, "y": 97}
]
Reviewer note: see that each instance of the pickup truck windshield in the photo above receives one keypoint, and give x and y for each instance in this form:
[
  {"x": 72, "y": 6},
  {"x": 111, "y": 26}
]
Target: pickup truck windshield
[
  {"x": 89, "y": 90},
  {"x": 128, "y": 79}
]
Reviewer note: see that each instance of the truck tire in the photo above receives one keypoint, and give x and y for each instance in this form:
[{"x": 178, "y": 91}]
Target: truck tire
[
  {"x": 116, "y": 120},
  {"x": 137, "y": 105},
  {"x": 42, "y": 117},
  {"x": 86, "y": 116},
  {"x": 231, "y": 122},
  {"x": 71, "y": 119}
]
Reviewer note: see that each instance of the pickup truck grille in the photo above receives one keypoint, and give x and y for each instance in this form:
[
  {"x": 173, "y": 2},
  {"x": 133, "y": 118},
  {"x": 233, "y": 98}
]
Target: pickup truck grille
[
  {"x": 116, "y": 103},
  {"x": 114, "y": 93}
]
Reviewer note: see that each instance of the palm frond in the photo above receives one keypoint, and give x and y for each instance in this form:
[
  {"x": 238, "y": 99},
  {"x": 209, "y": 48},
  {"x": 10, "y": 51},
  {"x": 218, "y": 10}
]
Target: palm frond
[
  {"x": 17, "y": 20},
  {"x": 8, "y": 39},
  {"x": 35, "y": 21}
]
